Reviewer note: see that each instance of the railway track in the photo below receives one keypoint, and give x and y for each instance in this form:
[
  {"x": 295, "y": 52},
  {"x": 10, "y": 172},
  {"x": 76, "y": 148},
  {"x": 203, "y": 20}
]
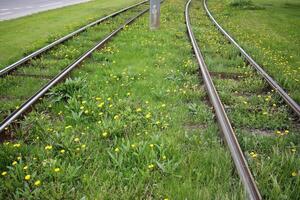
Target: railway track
[
  {"x": 289, "y": 101},
  {"x": 38, "y": 52},
  {"x": 49, "y": 80},
  {"x": 252, "y": 107},
  {"x": 224, "y": 123}
]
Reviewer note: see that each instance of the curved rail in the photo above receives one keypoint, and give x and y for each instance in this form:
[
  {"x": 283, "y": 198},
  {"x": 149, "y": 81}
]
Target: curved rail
[
  {"x": 224, "y": 123},
  {"x": 292, "y": 103},
  {"x": 8, "y": 120},
  {"x": 13, "y": 66}
]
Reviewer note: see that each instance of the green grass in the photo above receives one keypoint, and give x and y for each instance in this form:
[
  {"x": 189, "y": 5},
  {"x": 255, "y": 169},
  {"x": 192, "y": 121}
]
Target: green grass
[
  {"x": 50, "y": 63},
  {"x": 21, "y": 36},
  {"x": 131, "y": 123},
  {"x": 269, "y": 31},
  {"x": 267, "y": 133}
]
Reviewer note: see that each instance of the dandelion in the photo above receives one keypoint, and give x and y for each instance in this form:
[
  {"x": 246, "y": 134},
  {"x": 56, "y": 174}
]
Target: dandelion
[
  {"x": 68, "y": 127},
  {"x": 98, "y": 98},
  {"x": 83, "y": 146},
  {"x": 148, "y": 115},
  {"x": 138, "y": 110},
  {"x": 253, "y": 154},
  {"x": 104, "y": 134},
  {"x": 25, "y": 167},
  {"x": 76, "y": 139},
  {"x": 27, "y": 177},
  {"x": 117, "y": 150},
  {"x": 286, "y": 132},
  {"x": 128, "y": 94},
  {"x": 14, "y": 163},
  {"x": 37, "y": 183},
  {"x": 48, "y": 147},
  {"x": 17, "y": 145},
  {"x": 164, "y": 157},
  {"x": 100, "y": 105},
  {"x": 62, "y": 151},
  {"x": 57, "y": 170},
  {"x": 151, "y": 145},
  {"x": 294, "y": 174},
  {"x": 4, "y": 173},
  {"x": 293, "y": 150},
  {"x": 163, "y": 105},
  {"x": 116, "y": 117},
  {"x": 151, "y": 166},
  {"x": 133, "y": 146},
  {"x": 19, "y": 158}
]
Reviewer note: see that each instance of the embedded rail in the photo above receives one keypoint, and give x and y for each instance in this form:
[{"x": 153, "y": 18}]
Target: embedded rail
[
  {"x": 289, "y": 101},
  {"x": 15, "y": 65},
  {"x": 223, "y": 121},
  {"x": 34, "y": 98}
]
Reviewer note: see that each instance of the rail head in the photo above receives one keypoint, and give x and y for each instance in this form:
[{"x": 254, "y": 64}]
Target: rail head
[
  {"x": 224, "y": 123},
  {"x": 290, "y": 102}
]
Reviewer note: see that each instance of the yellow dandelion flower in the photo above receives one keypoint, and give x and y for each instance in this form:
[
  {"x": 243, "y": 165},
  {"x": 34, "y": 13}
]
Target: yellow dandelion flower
[
  {"x": 151, "y": 166},
  {"x": 57, "y": 169},
  {"x": 17, "y": 145},
  {"x": 100, "y": 105},
  {"x": 19, "y": 158},
  {"x": 138, "y": 110},
  {"x": 104, "y": 134},
  {"x": 253, "y": 154},
  {"x": 117, "y": 150},
  {"x": 27, "y": 177},
  {"x": 48, "y": 147},
  {"x": 83, "y": 146},
  {"x": 76, "y": 139},
  {"x": 164, "y": 157},
  {"x": 14, "y": 163},
  {"x": 62, "y": 151},
  {"x": 163, "y": 105},
  {"x": 37, "y": 183},
  {"x": 151, "y": 145},
  {"x": 133, "y": 146},
  {"x": 294, "y": 174},
  {"x": 25, "y": 167},
  {"x": 148, "y": 115},
  {"x": 4, "y": 173},
  {"x": 68, "y": 127}
]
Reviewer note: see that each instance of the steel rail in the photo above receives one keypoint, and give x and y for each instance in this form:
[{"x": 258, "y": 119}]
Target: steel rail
[
  {"x": 291, "y": 102},
  {"x": 224, "y": 123},
  {"x": 18, "y": 112},
  {"x": 13, "y": 66}
]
